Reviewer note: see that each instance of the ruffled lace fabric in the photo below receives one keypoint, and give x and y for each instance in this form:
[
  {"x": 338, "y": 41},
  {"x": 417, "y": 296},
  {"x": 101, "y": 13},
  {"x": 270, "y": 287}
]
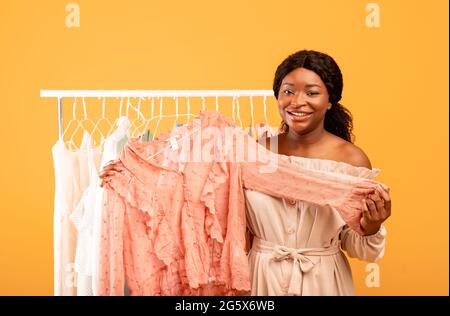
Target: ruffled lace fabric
[
  {"x": 334, "y": 167},
  {"x": 294, "y": 181},
  {"x": 184, "y": 230},
  {"x": 180, "y": 226}
]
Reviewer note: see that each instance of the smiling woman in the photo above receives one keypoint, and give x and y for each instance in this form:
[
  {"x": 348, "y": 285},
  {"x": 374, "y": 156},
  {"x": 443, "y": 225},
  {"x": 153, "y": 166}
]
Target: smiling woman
[
  {"x": 303, "y": 86},
  {"x": 296, "y": 246},
  {"x": 313, "y": 78},
  {"x": 308, "y": 86}
]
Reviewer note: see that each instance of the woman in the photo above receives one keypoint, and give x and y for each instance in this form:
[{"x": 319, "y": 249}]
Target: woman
[
  {"x": 316, "y": 133},
  {"x": 296, "y": 246}
]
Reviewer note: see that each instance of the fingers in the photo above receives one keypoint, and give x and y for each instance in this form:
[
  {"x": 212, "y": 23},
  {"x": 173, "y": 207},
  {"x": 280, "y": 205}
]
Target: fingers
[
  {"x": 372, "y": 209},
  {"x": 379, "y": 202},
  {"x": 113, "y": 162},
  {"x": 116, "y": 166},
  {"x": 384, "y": 187},
  {"x": 107, "y": 173},
  {"x": 111, "y": 168},
  {"x": 104, "y": 182},
  {"x": 375, "y": 210},
  {"x": 364, "y": 192},
  {"x": 367, "y": 217},
  {"x": 106, "y": 178},
  {"x": 384, "y": 192},
  {"x": 365, "y": 210}
]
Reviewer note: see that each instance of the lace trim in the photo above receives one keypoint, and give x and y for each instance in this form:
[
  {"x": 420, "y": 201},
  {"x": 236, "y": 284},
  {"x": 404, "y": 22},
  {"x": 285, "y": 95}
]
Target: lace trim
[{"x": 333, "y": 166}]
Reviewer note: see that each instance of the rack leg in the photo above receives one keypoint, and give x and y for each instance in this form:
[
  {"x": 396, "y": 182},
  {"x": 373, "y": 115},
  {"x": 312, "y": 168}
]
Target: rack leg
[{"x": 60, "y": 118}]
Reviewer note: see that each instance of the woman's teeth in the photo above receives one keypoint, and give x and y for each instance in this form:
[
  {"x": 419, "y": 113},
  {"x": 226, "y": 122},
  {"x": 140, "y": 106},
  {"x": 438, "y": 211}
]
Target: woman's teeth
[{"x": 299, "y": 114}]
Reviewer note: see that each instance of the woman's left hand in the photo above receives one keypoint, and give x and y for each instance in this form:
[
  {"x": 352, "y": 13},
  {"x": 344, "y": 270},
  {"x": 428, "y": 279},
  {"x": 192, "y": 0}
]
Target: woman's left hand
[{"x": 376, "y": 209}]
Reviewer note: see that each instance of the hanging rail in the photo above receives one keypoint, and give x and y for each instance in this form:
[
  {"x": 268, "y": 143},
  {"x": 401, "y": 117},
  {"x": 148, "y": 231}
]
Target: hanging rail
[
  {"x": 154, "y": 93},
  {"x": 60, "y": 94}
]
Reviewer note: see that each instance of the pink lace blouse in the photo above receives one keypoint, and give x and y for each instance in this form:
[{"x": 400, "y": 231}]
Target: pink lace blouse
[{"x": 176, "y": 225}]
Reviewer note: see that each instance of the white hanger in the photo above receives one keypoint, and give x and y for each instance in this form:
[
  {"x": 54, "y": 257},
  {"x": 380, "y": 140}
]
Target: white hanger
[
  {"x": 117, "y": 119},
  {"x": 189, "y": 108},
  {"x": 73, "y": 119},
  {"x": 81, "y": 125},
  {"x": 103, "y": 118},
  {"x": 173, "y": 142},
  {"x": 176, "y": 112},
  {"x": 203, "y": 103},
  {"x": 147, "y": 122},
  {"x": 238, "y": 110},
  {"x": 159, "y": 118},
  {"x": 140, "y": 118}
]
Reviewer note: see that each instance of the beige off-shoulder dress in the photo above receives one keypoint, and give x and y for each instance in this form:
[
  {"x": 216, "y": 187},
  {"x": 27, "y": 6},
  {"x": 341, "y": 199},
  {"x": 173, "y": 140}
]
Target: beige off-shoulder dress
[{"x": 297, "y": 247}]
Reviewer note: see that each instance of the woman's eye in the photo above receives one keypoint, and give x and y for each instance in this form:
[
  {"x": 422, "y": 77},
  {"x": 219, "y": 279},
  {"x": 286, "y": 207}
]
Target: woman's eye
[
  {"x": 312, "y": 93},
  {"x": 287, "y": 91}
]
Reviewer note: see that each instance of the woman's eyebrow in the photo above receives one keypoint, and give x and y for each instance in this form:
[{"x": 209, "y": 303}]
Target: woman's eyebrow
[{"x": 307, "y": 86}]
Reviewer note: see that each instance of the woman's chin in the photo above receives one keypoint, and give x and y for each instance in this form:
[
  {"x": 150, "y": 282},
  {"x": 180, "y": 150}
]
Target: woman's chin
[{"x": 298, "y": 128}]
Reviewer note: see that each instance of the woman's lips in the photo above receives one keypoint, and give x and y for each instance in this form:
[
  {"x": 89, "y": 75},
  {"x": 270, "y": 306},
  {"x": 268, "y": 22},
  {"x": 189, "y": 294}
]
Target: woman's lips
[{"x": 299, "y": 116}]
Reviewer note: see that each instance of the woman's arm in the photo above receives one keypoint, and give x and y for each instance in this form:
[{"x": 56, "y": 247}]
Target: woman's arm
[{"x": 368, "y": 247}]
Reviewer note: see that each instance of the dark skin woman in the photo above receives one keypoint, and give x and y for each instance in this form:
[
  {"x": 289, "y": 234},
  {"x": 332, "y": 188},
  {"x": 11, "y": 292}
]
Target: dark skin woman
[{"x": 316, "y": 125}]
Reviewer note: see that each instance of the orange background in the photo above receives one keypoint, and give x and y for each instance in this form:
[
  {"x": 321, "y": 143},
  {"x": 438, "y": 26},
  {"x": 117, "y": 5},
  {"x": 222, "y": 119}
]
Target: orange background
[{"x": 395, "y": 84}]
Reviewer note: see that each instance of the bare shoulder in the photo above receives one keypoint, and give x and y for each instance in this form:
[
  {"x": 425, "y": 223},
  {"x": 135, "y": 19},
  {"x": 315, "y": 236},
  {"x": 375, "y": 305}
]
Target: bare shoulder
[{"x": 352, "y": 154}]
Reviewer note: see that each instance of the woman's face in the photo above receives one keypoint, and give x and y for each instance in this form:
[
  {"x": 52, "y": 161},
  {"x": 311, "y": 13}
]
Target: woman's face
[{"x": 303, "y": 100}]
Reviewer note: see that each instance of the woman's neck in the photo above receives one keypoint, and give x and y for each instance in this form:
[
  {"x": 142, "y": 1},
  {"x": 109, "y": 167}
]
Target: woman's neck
[{"x": 295, "y": 141}]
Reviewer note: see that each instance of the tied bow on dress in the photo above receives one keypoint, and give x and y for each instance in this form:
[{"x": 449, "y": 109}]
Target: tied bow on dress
[{"x": 301, "y": 259}]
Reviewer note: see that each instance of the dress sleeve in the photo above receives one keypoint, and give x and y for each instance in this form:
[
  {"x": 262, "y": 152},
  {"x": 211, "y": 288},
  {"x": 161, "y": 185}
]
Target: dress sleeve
[
  {"x": 367, "y": 248},
  {"x": 111, "y": 274}
]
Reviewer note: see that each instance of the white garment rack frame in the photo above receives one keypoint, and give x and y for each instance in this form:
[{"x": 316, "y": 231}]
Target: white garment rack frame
[{"x": 60, "y": 94}]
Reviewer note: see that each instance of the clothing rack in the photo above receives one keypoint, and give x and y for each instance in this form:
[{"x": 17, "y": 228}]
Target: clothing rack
[{"x": 60, "y": 94}]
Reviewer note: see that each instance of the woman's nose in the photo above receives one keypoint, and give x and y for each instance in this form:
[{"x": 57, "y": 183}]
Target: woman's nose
[{"x": 299, "y": 99}]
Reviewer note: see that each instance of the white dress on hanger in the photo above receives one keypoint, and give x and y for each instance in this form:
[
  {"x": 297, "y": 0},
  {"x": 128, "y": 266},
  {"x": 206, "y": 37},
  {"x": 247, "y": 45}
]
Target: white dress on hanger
[
  {"x": 82, "y": 218},
  {"x": 87, "y": 215},
  {"x": 70, "y": 181}
]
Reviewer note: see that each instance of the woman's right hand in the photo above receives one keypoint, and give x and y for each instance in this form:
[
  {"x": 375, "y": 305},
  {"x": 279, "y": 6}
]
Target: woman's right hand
[{"x": 110, "y": 170}]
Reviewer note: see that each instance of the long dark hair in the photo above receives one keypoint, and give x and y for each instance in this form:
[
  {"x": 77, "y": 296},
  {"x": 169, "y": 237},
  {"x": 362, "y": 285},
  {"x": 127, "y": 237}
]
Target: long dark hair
[{"x": 338, "y": 119}]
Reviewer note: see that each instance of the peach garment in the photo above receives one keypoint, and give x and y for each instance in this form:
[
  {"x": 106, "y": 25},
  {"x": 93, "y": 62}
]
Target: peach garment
[
  {"x": 296, "y": 244},
  {"x": 178, "y": 228}
]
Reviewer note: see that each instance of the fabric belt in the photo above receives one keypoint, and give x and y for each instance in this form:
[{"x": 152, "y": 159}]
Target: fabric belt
[{"x": 301, "y": 263}]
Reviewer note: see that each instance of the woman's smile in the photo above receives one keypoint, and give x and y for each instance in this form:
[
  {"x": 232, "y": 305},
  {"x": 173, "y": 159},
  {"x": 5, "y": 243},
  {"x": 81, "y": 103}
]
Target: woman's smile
[{"x": 298, "y": 116}]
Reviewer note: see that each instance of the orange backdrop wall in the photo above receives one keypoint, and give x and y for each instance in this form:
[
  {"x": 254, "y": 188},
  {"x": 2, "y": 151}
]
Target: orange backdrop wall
[{"x": 395, "y": 84}]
